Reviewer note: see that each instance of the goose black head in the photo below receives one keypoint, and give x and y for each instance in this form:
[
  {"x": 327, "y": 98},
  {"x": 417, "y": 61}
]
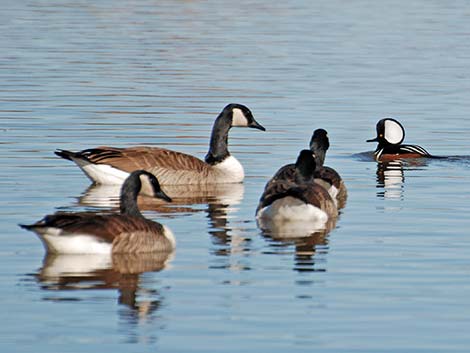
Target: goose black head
[
  {"x": 319, "y": 144},
  {"x": 389, "y": 132},
  {"x": 305, "y": 165},
  {"x": 151, "y": 179},
  {"x": 242, "y": 116},
  {"x": 145, "y": 181}
]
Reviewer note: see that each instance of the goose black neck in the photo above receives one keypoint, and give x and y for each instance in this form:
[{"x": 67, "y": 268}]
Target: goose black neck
[
  {"x": 303, "y": 176},
  {"x": 319, "y": 146},
  {"x": 129, "y": 192},
  {"x": 218, "y": 148},
  {"x": 305, "y": 167},
  {"x": 320, "y": 155}
]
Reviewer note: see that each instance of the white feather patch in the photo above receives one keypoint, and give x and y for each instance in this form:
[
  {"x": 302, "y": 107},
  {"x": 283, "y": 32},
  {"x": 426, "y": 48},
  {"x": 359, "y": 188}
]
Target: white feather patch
[
  {"x": 292, "y": 209},
  {"x": 333, "y": 191},
  {"x": 57, "y": 242},
  {"x": 238, "y": 118},
  {"x": 104, "y": 174},
  {"x": 101, "y": 173},
  {"x": 394, "y": 133},
  {"x": 169, "y": 235},
  {"x": 230, "y": 170}
]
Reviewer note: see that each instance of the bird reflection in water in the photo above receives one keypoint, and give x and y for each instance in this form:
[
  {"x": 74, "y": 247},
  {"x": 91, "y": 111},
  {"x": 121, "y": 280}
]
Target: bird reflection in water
[
  {"x": 121, "y": 272},
  {"x": 185, "y": 198},
  {"x": 309, "y": 241},
  {"x": 64, "y": 272},
  {"x": 390, "y": 179},
  {"x": 229, "y": 246},
  {"x": 391, "y": 176}
]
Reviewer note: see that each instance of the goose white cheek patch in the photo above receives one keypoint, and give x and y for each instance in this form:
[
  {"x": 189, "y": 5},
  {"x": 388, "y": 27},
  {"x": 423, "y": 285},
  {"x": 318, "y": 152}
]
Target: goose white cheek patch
[
  {"x": 393, "y": 132},
  {"x": 238, "y": 118}
]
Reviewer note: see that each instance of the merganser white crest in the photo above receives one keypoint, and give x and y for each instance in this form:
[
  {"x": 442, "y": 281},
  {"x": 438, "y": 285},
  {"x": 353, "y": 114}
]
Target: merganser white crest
[{"x": 393, "y": 131}]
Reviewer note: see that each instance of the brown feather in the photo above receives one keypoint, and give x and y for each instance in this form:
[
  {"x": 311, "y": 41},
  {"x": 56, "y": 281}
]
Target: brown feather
[
  {"x": 326, "y": 174},
  {"x": 148, "y": 158},
  {"x": 126, "y": 233},
  {"x": 170, "y": 167},
  {"x": 311, "y": 193}
]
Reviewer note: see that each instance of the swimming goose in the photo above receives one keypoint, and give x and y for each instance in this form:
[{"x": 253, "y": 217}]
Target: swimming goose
[
  {"x": 298, "y": 200},
  {"x": 110, "y": 165},
  {"x": 325, "y": 176},
  {"x": 90, "y": 233}
]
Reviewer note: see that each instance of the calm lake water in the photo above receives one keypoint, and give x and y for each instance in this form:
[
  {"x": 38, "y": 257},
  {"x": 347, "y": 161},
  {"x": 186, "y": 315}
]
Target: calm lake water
[{"x": 393, "y": 275}]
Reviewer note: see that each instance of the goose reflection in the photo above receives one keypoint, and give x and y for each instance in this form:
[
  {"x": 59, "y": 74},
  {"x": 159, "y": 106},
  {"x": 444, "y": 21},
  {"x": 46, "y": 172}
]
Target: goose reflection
[
  {"x": 226, "y": 238},
  {"x": 99, "y": 272},
  {"x": 186, "y": 198},
  {"x": 307, "y": 238}
]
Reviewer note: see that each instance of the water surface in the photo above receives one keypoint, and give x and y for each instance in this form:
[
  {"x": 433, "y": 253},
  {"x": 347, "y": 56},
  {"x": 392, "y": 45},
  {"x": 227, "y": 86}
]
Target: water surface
[{"x": 392, "y": 275}]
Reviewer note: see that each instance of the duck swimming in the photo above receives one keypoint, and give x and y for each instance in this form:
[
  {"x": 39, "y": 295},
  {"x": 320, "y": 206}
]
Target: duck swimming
[{"x": 390, "y": 135}]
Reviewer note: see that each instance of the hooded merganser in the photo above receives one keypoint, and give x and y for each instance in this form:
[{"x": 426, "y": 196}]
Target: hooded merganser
[
  {"x": 325, "y": 176},
  {"x": 390, "y": 135},
  {"x": 298, "y": 200}
]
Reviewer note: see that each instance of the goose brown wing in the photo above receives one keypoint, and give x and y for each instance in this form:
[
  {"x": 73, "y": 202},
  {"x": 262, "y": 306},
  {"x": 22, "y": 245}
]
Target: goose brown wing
[
  {"x": 141, "y": 241},
  {"x": 284, "y": 174},
  {"x": 276, "y": 190},
  {"x": 318, "y": 196},
  {"x": 105, "y": 227},
  {"x": 141, "y": 157},
  {"x": 311, "y": 193},
  {"x": 330, "y": 175}
]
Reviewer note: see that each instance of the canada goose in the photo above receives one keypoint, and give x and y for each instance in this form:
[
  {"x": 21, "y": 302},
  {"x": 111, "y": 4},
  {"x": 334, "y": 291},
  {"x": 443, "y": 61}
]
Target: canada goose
[
  {"x": 298, "y": 200},
  {"x": 90, "y": 233},
  {"x": 110, "y": 165},
  {"x": 324, "y": 176}
]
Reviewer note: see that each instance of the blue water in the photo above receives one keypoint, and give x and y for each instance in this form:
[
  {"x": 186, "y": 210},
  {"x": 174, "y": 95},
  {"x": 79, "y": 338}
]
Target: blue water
[{"x": 393, "y": 275}]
